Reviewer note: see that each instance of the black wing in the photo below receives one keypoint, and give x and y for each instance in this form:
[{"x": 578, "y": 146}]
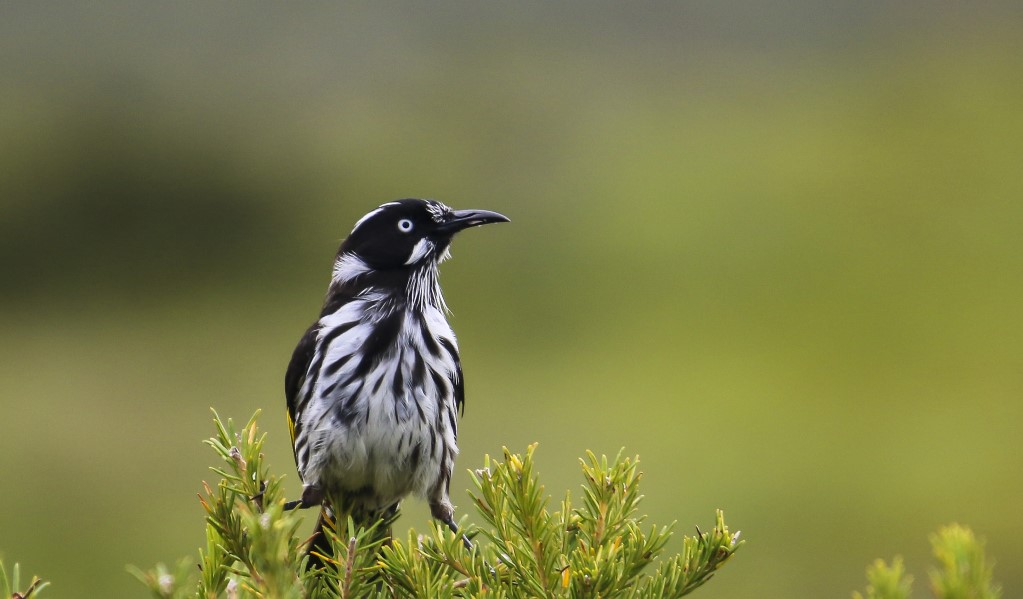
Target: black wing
[{"x": 295, "y": 376}]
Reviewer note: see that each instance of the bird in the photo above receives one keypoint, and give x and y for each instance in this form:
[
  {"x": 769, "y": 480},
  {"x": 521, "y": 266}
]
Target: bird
[{"x": 374, "y": 384}]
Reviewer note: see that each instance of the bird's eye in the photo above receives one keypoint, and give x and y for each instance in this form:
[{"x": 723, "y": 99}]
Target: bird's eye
[{"x": 405, "y": 225}]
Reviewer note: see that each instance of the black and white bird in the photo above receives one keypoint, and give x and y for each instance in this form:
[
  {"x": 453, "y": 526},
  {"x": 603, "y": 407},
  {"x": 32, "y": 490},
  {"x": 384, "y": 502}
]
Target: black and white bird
[{"x": 375, "y": 383}]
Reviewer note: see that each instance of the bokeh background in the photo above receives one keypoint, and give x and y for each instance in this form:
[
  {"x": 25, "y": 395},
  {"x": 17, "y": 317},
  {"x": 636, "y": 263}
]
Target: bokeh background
[{"x": 772, "y": 248}]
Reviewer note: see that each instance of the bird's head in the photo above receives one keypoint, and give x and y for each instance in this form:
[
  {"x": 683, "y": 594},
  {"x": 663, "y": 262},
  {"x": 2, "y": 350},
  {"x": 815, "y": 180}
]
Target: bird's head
[{"x": 404, "y": 235}]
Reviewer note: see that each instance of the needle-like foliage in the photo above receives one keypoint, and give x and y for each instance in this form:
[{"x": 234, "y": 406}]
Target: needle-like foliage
[
  {"x": 524, "y": 548},
  {"x": 963, "y": 571},
  {"x": 10, "y": 586},
  {"x": 598, "y": 548}
]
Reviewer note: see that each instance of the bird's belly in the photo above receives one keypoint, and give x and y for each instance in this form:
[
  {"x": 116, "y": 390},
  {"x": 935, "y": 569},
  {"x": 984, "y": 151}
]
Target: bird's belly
[
  {"x": 379, "y": 444},
  {"x": 381, "y": 424},
  {"x": 385, "y": 460}
]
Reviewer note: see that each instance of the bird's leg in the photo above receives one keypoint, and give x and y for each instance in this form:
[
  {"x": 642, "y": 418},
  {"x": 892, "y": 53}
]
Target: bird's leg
[
  {"x": 450, "y": 523},
  {"x": 442, "y": 510},
  {"x": 312, "y": 496}
]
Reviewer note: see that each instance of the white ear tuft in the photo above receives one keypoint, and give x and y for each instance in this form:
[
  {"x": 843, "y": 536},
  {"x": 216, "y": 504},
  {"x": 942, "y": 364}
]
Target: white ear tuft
[
  {"x": 349, "y": 266},
  {"x": 423, "y": 247}
]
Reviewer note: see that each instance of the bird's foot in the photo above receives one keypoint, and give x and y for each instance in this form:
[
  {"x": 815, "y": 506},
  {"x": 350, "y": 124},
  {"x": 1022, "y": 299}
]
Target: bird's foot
[{"x": 312, "y": 496}]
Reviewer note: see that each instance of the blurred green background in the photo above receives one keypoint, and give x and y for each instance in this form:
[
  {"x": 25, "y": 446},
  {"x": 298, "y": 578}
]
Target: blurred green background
[{"x": 772, "y": 248}]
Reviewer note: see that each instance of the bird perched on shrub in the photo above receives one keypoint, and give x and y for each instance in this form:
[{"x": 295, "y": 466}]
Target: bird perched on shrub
[{"x": 374, "y": 385}]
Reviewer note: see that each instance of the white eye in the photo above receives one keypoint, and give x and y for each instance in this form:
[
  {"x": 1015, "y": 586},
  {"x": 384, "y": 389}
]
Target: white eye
[{"x": 405, "y": 225}]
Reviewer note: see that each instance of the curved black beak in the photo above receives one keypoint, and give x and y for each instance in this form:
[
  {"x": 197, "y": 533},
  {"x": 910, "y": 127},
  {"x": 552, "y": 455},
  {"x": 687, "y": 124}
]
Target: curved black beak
[{"x": 463, "y": 219}]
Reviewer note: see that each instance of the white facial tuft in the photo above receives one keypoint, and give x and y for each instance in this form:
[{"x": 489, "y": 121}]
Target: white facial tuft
[
  {"x": 422, "y": 248},
  {"x": 349, "y": 266}
]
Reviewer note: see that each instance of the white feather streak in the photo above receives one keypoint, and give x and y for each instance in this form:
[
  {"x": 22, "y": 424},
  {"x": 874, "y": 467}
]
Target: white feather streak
[
  {"x": 422, "y": 248},
  {"x": 349, "y": 266}
]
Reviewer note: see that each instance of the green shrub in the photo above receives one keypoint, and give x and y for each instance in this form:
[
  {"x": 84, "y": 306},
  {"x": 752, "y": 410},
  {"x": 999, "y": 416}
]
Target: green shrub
[
  {"x": 963, "y": 572},
  {"x": 598, "y": 548}
]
